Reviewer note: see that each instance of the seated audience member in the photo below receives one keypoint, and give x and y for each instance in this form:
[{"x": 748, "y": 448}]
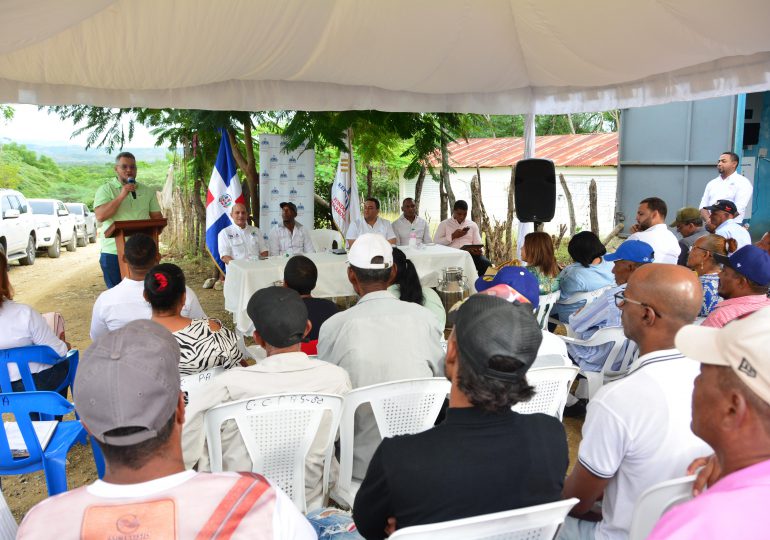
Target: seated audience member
[
  {"x": 370, "y": 223},
  {"x": 722, "y": 222},
  {"x": 702, "y": 261},
  {"x": 301, "y": 274},
  {"x": 588, "y": 273},
  {"x": 636, "y": 433},
  {"x": 689, "y": 227},
  {"x": 22, "y": 326},
  {"x": 764, "y": 242},
  {"x": 537, "y": 252},
  {"x": 125, "y": 302},
  {"x": 129, "y": 401},
  {"x": 484, "y": 457},
  {"x": 204, "y": 343},
  {"x": 240, "y": 240},
  {"x": 280, "y": 321},
  {"x": 408, "y": 223},
  {"x": 525, "y": 288},
  {"x": 743, "y": 283},
  {"x": 458, "y": 231},
  {"x": 603, "y": 312},
  {"x": 731, "y": 412},
  {"x": 651, "y": 227},
  {"x": 381, "y": 338},
  {"x": 289, "y": 236},
  {"x": 408, "y": 288}
]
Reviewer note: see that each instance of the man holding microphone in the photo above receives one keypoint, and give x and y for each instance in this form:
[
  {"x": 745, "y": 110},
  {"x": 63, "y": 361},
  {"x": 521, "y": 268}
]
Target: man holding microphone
[{"x": 121, "y": 199}]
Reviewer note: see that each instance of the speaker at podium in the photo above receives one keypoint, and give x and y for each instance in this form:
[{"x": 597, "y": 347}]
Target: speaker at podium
[{"x": 535, "y": 190}]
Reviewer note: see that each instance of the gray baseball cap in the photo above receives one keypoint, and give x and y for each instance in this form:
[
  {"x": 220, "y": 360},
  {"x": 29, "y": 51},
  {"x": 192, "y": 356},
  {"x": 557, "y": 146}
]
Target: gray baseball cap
[
  {"x": 129, "y": 378},
  {"x": 488, "y": 326}
]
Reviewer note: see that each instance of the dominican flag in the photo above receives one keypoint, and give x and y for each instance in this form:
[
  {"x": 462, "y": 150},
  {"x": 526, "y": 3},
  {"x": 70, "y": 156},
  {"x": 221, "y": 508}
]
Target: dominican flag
[{"x": 224, "y": 191}]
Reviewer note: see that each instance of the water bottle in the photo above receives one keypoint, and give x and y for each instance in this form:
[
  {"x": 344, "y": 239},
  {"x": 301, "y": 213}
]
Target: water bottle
[{"x": 412, "y": 238}]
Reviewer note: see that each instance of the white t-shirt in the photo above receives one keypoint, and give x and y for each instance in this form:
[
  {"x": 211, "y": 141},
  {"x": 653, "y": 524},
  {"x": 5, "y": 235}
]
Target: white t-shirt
[
  {"x": 731, "y": 229},
  {"x": 178, "y": 505},
  {"x": 403, "y": 229},
  {"x": 20, "y": 326},
  {"x": 125, "y": 302},
  {"x": 241, "y": 243},
  {"x": 663, "y": 242},
  {"x": 360, "y": 226},
  {"x": 736, "y": 188},
  {"x": 637, "y": 434}
]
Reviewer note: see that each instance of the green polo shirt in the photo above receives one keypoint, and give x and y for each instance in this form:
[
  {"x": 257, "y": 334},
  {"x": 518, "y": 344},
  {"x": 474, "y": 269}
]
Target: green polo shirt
[{"x": 146, "y": 201}]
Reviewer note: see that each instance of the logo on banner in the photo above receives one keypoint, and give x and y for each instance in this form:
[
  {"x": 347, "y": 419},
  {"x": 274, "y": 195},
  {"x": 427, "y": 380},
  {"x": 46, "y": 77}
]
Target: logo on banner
[
  {"x": 265, "y": 174},
  {"x": 265, "y": 142},
  {"x": 340, "y": 207},
  {"x": 301, "y": 175},
  {"x": 265, "y": 206},
  {"x": 275, "y": 191},
  {"x": 273, "y": 222},
  {"x": 273, "y": 161},
  {"x": 284, "y": 177},
  {"x": 300, "y": 207},
  {"x": 226, "y": 201}
]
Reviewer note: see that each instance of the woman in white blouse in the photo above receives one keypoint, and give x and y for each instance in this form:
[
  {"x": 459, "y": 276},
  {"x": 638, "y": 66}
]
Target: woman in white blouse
[{"x": 22, "y": 326}]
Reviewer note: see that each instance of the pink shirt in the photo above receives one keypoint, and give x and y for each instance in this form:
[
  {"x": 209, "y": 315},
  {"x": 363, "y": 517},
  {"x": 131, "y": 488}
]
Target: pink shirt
[
  {"x": 735, "y": 308},
  {"x": 734, "y": 507},
  {"x": 447, "y": 227}
]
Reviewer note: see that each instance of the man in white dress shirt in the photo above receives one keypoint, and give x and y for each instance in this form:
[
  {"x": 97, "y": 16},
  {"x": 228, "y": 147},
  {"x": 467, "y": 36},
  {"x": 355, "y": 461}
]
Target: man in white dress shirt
[
  {"x": 240, "y": 240},
  {"x": 409, "y": 222},
  {"x": 651, "y": 228},
  {"x": 125, "y": 302},
  {"x": 458, "y": 231},
  {"x": 722, "y": 222},
  {"x": 370, "y": 222},
  {"x": 290, "y": 236},
  {"x": 728, "y": 185}
]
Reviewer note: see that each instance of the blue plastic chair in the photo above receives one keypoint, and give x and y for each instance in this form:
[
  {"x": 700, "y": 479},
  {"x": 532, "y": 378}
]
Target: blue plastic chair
[
  {"x": 53, "y": 460},
  {"x": 43, "y": 354}
]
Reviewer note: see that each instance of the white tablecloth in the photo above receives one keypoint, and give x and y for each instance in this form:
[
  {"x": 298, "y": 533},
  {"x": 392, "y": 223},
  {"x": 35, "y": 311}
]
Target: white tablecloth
[{"x": 245, "y": 277}]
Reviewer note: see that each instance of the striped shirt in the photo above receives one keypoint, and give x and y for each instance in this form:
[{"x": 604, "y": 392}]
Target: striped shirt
[
  {"x": 202, "y": 348},
  {"x": 735, "y": 308}
]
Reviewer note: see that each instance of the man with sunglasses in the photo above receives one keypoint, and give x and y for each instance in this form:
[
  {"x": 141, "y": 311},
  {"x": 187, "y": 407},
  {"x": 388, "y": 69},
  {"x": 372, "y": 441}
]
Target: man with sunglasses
[
  {"x": 722, "y": 222},
  {"x": 636, "y": 433}
]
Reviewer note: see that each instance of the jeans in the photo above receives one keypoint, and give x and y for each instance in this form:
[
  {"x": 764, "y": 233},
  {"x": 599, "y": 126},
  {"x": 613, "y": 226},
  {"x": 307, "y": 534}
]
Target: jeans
[
  {"x": 481, "y": 263},
  {"x": 110, "y": 269},
  {"x": 332, "y": 523},
  {"x": 577, "y": 529}
]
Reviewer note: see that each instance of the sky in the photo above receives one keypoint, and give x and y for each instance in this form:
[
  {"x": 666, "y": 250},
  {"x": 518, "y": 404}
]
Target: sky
[{"x": 30, "y": 125}]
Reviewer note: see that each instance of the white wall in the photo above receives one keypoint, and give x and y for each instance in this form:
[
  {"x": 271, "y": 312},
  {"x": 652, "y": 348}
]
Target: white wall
[{"x": 494, "y": 191}]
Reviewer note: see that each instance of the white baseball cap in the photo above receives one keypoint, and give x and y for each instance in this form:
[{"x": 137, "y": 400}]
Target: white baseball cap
[
  {"x": 741, "y": 345},
  {"x": 368, "y": 246}
]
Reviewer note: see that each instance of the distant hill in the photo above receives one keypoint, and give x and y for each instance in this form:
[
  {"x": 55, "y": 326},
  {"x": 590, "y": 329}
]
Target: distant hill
[{"x": 71, "y": 154}]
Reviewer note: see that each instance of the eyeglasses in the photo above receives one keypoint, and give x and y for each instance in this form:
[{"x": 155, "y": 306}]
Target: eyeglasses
[
  {"x": 620, "y": 299},
  {"x": 702, "y": 249}
]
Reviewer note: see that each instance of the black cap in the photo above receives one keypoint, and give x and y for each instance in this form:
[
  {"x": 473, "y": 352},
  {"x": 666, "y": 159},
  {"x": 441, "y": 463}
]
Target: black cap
[
  {"x": 279, "y": 315},
  {"x": 488, "y": 326},
  {"x": 724, "y": 205},
  {"x": 290, "y": 205}
]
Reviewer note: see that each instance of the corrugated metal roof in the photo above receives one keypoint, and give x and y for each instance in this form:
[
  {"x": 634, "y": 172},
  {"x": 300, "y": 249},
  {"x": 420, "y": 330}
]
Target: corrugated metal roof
[{"x": 589, "y": 150}]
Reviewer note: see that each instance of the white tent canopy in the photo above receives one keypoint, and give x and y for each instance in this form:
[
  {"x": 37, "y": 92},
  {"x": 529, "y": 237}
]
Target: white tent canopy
[{"x": 486, "y": 56}]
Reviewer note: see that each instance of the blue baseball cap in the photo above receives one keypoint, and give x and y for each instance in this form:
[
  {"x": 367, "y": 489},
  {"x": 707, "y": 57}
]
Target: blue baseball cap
[
  {"x": 516, "y": 277},
  {"x": 634, "y": 251},
  {"x": 751, "y": 262}
]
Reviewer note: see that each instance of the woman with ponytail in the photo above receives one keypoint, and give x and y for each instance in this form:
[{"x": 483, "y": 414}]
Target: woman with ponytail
[
  {"x": 701, "y": 260},
  {"x": 203, "y": 343},
  {"x": 409, "y": 289}
]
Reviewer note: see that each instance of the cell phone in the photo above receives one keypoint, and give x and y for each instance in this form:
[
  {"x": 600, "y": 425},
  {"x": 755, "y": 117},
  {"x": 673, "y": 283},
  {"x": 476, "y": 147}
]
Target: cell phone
[{"x": 466, "y": 229}]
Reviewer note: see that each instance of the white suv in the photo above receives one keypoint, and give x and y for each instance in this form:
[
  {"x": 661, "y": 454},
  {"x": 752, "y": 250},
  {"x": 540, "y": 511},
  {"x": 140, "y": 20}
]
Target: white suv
[
  {"x": 54, "y": 225},
  {"x": 17, "y": 227}
]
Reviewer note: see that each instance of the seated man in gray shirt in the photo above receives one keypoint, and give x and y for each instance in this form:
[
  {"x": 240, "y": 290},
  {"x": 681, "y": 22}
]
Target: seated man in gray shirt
[{"x": 381, "y": 338}]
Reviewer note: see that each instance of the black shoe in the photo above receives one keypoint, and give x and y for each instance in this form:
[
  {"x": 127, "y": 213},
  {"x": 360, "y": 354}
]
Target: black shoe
[{"x": 576, "y": 410}]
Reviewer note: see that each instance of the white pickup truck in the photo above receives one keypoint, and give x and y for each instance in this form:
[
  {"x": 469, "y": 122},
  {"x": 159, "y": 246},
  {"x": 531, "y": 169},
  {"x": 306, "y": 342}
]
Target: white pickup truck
[
  {"x": 54, "y": 226},
  {"x": 17, "y": 227}
]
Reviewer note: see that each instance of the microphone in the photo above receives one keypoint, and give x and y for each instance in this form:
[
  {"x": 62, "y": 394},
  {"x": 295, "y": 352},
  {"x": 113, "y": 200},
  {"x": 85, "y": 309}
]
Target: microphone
[{"x": 132, "y": 181}]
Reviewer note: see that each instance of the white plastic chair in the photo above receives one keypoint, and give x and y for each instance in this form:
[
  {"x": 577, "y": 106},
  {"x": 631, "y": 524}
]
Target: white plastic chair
[
  {"x": 552, "y": 386},
  {"x": 8, "y": 526},
  {"x": 399, "y": 407},
  {"x": 322, "y": 239},
  {"x": 655, "y": 502},
  {"x": 588, "y": 296},
  {"x": 533, "y": 523},
  {"x": 192, "y": 384},
  {"x": 278, "y": 431},
  {"x": 546, "y": 303}
]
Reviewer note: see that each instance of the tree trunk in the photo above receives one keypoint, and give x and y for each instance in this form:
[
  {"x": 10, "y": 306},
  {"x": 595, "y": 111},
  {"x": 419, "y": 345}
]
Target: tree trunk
[
  {"x": 510, "y": 212},
  {"x": 593, "y": 207},
  {"x": 445, "y": 170},
  {"x": 418, "y": 188},
  {"x": 571, "y": 124},
  {"x": 369, "y": 175},
  {"x": 570, "y": 205},
  {"x": 476, "y": 199},
  {"x": 248, "y": 165},
  {"x": 200, "y": 214},
  {"x": 442, "y": 197}
]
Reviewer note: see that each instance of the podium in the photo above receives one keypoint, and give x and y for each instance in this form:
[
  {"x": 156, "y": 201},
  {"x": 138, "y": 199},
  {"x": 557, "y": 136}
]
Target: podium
[{"x": 119, "y": 230}]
